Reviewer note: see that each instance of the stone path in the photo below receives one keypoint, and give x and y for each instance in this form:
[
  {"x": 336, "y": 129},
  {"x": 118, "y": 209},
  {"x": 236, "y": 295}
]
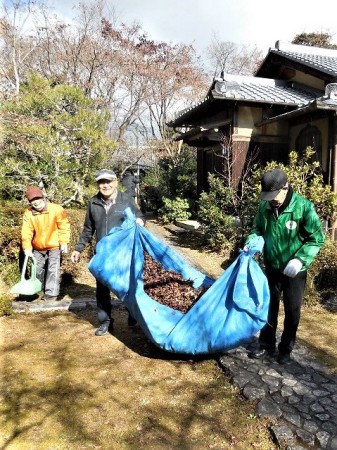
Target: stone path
[
  {"x": 300, "y": 397},
  {"x": 35, "y": 306}
]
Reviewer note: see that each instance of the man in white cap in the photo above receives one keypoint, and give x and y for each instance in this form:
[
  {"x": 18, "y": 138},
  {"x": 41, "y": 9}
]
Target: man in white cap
[
  {"x": 105, "y": 211},
  {"x": 293, "y": 236}
]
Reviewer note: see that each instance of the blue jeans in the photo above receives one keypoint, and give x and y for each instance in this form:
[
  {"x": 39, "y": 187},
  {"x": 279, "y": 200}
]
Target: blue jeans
[{"x": 293, "y": 292}]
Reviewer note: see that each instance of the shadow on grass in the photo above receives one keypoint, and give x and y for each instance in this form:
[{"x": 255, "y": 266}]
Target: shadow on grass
[
  {"x": 30, "y": 404},
  {"x": 84, "y": 391}
]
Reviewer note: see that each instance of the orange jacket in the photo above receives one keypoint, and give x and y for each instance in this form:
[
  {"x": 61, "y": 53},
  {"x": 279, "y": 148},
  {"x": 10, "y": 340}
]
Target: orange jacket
[{"x": 46, "y": 229}]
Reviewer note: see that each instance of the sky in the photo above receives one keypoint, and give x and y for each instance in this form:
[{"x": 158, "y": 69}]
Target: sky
[{"x": 257, "y": 23}]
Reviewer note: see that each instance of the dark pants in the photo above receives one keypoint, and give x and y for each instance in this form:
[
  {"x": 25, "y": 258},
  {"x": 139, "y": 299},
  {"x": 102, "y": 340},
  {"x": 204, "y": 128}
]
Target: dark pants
[
  {"x": 103, "y": 299},
  {"x": 293, "y": 291}
]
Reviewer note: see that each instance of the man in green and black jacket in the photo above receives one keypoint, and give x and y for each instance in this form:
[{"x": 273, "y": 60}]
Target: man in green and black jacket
[{"x": 293, "y": 236}]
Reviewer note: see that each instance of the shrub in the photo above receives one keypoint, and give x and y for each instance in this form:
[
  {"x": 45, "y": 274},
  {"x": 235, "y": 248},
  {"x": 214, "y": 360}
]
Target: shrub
[
  {"x": 174, "y": 210},
  {"x": 10, "y": 237},
  {"x": 322, "y": 275},
  {"x": 219, "y": 231},
  {"x": 172, "y": 177},
  {"x": 306, "y": 178},
  {"x": 6, "y": 308}
]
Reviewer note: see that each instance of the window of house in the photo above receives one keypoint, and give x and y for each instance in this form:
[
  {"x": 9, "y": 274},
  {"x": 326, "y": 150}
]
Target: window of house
[{"x": 310, "y": 136}]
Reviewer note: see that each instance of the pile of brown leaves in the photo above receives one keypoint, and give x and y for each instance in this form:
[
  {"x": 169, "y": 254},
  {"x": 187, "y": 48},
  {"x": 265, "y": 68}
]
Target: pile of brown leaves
[{"x": 169, "y": 288}]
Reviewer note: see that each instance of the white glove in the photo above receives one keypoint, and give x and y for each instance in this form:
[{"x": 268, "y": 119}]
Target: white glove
[
  {"x": 246, "y": 249},
  {"x": 29, "y": 253},
  {"x": 75, "y": 256},
  {"x": 140, "y": 221},
  {"x": 64, "y": 248},
  {"x": 293, "y": 267}
]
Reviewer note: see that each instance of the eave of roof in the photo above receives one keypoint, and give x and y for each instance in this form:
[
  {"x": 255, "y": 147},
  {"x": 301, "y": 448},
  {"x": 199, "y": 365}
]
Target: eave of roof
[
  {"x": 200, "y": 137},
  {"x": 322, "y": 103}
]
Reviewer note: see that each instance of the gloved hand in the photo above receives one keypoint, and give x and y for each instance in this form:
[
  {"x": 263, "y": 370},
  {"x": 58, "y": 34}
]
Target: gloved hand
[
  {"x": 75, "y": 256},
  {"x": 253, "y": 242},
  {"x": 140, "y": 221},
  {"x": 29, "y": 253},
  {"x": 293, "y": 267},
  {"x": 64, "y": 248}
]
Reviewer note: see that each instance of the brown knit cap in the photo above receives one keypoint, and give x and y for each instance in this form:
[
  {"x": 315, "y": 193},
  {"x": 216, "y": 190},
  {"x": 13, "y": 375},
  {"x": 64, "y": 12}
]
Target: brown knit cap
[{"x": 33, "y": 192}]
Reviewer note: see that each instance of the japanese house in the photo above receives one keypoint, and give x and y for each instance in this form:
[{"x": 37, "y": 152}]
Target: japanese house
[{"x": 289, "y": 104}]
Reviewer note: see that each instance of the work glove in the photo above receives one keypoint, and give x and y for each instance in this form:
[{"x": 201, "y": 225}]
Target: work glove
[
  {"x": 293, "y": 267},
  {"x": 75, "y": 256},
  {"x": 254, "y": 242},
  {"x": 29, "y": 253},
  {"x": 140, "y": 221},
  {"x": 64, "y": 248}
]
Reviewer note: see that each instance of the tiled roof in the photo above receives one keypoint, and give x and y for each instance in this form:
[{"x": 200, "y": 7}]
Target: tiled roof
[
  {"x": 323, "y": 63},
  {"x": 325, "y": 60},
  {"x": 254, "y": 89}
]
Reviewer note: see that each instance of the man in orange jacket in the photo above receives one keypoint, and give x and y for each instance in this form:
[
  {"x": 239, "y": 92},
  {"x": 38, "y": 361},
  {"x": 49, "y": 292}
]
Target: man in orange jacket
[{"x": 45, "y": 234}]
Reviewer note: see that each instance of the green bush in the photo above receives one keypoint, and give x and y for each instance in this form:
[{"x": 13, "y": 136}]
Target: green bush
[
  {"x": 322, "y": 275},
  {"x": 174, "y": 210},
  {"x": 10, "y": 238},
  {"x": 305, "y": 176},
  {"x": 53, "y": 137},
  {"x": 6, "y": 308},
  {"x": 171, "y": 178},
  {"x": 218, "y": 227}
]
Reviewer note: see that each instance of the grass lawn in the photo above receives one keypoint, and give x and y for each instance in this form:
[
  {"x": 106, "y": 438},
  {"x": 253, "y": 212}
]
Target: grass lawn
[{"x": 64, "y": 388}]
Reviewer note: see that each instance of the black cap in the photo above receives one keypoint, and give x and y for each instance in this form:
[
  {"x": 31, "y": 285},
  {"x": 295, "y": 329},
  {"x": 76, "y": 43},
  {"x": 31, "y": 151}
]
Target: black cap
[{"x": 272, "y": 182}]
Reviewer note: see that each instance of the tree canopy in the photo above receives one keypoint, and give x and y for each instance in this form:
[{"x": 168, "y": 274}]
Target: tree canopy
[
  {"x": 52, "y": 137},
  {"x": 313, "y": 39}
]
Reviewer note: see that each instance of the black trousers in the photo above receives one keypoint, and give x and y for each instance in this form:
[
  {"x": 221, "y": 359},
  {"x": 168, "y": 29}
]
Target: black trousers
[
  {"x": 293, "y": 291},
  {"x": 103, "y": 300}
]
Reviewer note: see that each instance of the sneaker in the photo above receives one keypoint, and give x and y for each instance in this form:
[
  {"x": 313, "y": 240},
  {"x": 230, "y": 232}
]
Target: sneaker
[
  {"x": 104, "y": 328},
  {"x": 261, "y": 352},
  {"x": 131, "y": 321},
  {"x": 283, "y": 358}
]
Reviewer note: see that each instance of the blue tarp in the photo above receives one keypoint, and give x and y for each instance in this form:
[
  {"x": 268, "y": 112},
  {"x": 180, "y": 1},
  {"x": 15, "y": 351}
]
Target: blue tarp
[{"x": 232, "y": 310}]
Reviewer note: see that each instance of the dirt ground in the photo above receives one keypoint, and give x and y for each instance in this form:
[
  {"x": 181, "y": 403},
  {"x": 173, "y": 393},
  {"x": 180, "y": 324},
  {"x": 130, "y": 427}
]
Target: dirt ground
[{"x": 64, "y": 388}]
